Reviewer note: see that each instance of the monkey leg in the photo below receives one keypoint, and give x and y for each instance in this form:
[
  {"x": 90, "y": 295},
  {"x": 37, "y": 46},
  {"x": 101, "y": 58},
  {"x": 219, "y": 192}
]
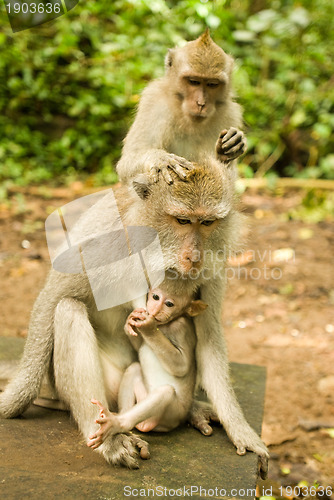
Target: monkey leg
[
  {"x": 155, "y": 403},
  {"x": 79, "y": 378},
  {"x": 151, "y": 412},
  {"x": 132, "y": 388}
]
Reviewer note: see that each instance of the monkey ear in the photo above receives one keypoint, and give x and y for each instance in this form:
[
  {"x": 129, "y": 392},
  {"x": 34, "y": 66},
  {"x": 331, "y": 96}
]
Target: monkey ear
[
  {"x": 196, "y": 307},
  {"x": 169, "y": 59},
  {"x": 142, "y": 184}
]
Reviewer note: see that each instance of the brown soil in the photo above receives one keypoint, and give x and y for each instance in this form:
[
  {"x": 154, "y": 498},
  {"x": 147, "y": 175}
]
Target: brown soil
[{"x": 278, "y": 313}]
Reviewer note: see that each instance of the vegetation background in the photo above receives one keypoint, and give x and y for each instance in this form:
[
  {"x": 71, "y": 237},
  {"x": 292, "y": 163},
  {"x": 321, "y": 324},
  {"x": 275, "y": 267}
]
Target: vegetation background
[{"x": 69, "y": 88}]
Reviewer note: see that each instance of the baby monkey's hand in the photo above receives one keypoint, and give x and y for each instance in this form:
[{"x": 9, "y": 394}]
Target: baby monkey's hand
[{"x": 134, "y": 320}]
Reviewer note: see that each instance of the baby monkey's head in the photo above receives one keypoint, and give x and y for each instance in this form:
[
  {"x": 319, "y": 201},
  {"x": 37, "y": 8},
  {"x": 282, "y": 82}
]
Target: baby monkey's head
[{"x": 165, "y": 307}]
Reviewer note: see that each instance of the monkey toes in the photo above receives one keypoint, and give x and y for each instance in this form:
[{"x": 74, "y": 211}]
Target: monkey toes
[
  {"x": 231, "y": 144},
  {"x": 122, "y": 449},
  {"x": 255, "y": 444},
  {"x": 201, "y": 414}
]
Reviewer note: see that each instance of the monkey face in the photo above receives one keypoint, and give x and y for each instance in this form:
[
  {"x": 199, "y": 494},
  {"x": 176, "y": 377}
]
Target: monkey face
[
  {"x": 191, "y": 217},
  {"x": 192, "y": 232},
  {"x": 165, "y": 308},
  {"x": 200, "y": 97}
]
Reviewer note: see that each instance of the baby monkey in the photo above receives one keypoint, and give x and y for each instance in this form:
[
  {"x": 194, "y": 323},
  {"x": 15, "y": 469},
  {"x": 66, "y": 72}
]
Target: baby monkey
[{"x": 156, "y": 392}]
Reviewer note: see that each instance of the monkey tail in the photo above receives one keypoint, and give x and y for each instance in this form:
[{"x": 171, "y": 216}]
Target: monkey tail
[{"x": 25, "y": 385}]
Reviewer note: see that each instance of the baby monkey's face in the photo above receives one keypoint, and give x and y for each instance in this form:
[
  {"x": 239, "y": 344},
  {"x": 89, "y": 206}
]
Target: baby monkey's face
[{"x": 164, "y": 307}]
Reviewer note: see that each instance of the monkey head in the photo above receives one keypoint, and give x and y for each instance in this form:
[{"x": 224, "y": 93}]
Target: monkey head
[
  {"x": 193, "y": 217},
  {"x": 165, "y": 307},
  {"x": 199, "y": 75}
]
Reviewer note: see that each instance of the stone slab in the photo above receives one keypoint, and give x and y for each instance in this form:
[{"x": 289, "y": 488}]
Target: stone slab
[{"x": 42, "y": 455}]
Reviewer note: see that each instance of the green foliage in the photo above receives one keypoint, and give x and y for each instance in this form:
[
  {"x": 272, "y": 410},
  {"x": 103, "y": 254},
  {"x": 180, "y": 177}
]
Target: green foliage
[
  {"x": 285, "y": 82},
  {"x": 316, "y": 206},
  {"x": 68, "y": 88}
]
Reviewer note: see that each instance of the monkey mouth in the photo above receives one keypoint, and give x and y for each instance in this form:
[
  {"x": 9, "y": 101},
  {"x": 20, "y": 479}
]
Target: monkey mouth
[{"x": 199, "y": 117}]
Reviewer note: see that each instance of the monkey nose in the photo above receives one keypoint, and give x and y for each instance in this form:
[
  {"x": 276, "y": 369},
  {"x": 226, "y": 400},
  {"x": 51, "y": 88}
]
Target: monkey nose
[
  {"x": 194, "y": 256},
  {"x": 192, "y": 259},
  {"x": 154, "y": 310}
]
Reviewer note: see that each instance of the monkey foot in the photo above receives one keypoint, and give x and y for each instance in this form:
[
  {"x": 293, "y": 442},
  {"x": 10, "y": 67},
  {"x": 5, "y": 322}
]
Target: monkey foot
[
  {"x": 256, "y": 445},
  {"x": 121, "y": 449},
  {"x": 201, "y": 413}
]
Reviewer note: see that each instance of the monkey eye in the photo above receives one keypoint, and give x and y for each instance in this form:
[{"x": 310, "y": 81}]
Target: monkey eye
[
  {"x": 155, "y": 296},
  {"x": 207, "y": 222},
  {"x": 169, "y": 303},
  {"x": 194, "y": 83},
  {"x": 212, "y": 85},
  {"x": 183, "y": 221}
]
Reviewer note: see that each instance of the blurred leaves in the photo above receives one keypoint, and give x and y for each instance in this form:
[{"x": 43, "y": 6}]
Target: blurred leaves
[{"x": 68, "y": 88}]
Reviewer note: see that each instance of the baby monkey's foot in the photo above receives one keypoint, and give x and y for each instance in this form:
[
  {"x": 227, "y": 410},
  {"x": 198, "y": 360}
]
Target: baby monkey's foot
[{"x": 109, "y": 424}]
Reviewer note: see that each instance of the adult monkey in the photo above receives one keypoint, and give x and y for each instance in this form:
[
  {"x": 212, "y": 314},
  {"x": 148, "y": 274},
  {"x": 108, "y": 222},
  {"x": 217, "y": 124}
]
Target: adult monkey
[
  {"x": 187, "y": 114},
  {"x": 88, "y": 350}
]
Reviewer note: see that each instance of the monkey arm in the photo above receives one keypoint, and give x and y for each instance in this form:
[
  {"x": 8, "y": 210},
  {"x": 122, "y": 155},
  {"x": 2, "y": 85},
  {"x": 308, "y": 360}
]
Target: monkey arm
[
  {"x": 131, "y": 332},
  {"x": 146, "y": 148},
  {"x": 213, "y": 369},
  {"x": 175, "y": 358},
  {"x": 136, "y": 342}
]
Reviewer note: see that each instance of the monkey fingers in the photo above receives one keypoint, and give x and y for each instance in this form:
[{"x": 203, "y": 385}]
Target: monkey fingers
[
  {"x": 134, "y": 320},
  {"x": 139, "y": 310},
  {"x": 102, "y": 408},
  {"x": 231, "y": 144},
  {"x": 166, "y": 175},
  {"x": 137, "y": 315},
  {"x": 94, "y": 443},
  {"x": 130, "y": 330},
  {"x": 180, "y": 166}
]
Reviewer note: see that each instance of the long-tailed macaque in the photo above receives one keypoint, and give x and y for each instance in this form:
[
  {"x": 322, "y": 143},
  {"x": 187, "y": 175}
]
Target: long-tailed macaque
[
  {"x": 156, "y": 393},
  {"x": 187, "y": 114},
  {"x": 196, "y": 221}
]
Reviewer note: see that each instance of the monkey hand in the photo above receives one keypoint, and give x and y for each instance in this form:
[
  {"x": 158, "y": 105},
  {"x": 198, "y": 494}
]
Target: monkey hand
[
  {"x": 231, "y": 144},
  {"x": 147, "y": 326},
  {"x": 133, "y": 321},
  {"x": 167, "y": 163}
]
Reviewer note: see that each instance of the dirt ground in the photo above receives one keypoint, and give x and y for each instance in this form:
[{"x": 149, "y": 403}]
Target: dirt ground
[{"x": 278, "y": 313}]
